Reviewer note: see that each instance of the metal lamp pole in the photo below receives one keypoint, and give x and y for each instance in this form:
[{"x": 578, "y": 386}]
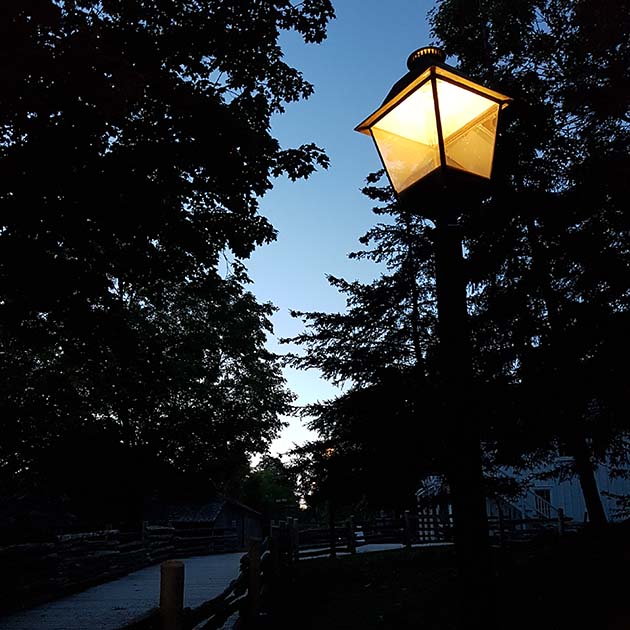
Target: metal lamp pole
[
  {"x": 435, "y": 134},
  {"x": 464, "y": 467}
]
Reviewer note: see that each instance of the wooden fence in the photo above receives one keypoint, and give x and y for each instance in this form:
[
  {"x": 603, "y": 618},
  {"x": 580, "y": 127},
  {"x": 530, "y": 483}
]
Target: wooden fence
[
  {"x": 247, "y": 595},
  {"x": 37, "y": 572},
  {"x": 423, "y": 527},
  {"x": 503, "y": 531}
]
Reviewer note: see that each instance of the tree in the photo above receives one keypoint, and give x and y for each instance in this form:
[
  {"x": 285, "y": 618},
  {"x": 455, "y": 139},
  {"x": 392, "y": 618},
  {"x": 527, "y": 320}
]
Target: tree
[
  {"x": 271, "y": 488},
  {"x": 548, "y": 247},
  {"x": 385, "y": 429},
  {"x": 135, "y": 145}
]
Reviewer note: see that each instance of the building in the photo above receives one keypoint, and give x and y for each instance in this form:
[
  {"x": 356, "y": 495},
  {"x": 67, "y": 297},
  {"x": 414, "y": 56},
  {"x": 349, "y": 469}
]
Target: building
[
  {"x": 546, "y": 493},
  {"x": 221, "y": 514}
]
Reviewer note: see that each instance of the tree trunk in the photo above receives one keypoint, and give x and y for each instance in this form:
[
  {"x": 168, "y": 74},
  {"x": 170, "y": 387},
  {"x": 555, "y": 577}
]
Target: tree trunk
[
  {"x": 586, "y": 475},
  {"x": 578, "y": 448}
]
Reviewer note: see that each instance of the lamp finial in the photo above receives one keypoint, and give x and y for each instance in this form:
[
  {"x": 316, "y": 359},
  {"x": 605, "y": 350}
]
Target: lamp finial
[{"x": 419, "y": 60}]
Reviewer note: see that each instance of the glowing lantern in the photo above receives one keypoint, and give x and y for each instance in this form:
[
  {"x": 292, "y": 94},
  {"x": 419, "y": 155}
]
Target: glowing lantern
[{"x": 435, "y": 121}]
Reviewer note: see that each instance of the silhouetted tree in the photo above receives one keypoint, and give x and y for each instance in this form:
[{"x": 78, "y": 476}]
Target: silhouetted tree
[
  {"x": 385, "y": 429},
  {"x": 272, "y": 489},
  {"x": 548, "y": 248},
  {"x": 135, "y": 145}
]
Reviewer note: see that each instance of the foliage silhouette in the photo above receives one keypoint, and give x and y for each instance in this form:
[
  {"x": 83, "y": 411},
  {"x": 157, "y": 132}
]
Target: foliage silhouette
[
  {"x": 135, "y": 145},
  {"x": 548, "y": 248}
]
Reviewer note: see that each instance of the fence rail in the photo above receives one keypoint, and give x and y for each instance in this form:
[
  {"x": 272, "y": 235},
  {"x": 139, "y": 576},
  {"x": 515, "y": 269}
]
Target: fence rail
[
  {"x": 246, "y": 595},
  {"x": 421, "y": 528},
  {"x": 71, "y": 562}
]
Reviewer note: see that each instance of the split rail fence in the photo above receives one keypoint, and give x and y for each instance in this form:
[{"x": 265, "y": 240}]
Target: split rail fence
[
  {"x": 419, "y": 528},
  {"x": 38, "y": 572},
  {"x": 246, "y": 596}
]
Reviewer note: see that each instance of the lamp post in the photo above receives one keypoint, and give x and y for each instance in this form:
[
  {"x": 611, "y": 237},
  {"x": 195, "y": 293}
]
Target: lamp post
[{"x": 435, "y": 133}]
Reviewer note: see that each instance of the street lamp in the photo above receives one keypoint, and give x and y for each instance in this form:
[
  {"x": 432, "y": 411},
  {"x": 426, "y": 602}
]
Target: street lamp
[
  {"x": 436, "y": 133},
  {"x": 435, "y": 126}
]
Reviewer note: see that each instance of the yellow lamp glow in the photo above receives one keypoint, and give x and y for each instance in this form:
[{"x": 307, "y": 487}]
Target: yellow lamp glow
[{"x": 435, "y": 120}]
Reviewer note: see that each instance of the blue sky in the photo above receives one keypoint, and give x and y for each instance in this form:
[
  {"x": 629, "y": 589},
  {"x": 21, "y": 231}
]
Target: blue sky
[{"x": 319, "y": 221}]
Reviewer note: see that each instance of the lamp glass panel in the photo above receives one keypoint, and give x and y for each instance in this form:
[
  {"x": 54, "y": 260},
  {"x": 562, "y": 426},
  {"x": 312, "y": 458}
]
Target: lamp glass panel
[
  {"x": 469, "y": 127},
  {"x": 407, "y": 138}
]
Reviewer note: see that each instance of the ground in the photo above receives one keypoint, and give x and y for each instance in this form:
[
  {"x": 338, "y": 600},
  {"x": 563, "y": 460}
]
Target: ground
[{"x": 552, "y": 584}]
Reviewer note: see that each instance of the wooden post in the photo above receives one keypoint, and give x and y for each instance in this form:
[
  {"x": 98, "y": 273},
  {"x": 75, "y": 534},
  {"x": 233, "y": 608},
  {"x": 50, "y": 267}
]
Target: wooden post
[
  {"x": 253, "y": 582},
  {"x": 407, "y": 530},
  {"x": 501, "y": 526},
  {"x": 333, "y": 533},
  {"x": 274, "y": 548},
  {"x": 352, "y": 543},
  {"x": 291, "y": 525},
  {"x": 295, "y": 540},
  {"x": 560, "y": 522},
  {"x": 284, "y": 543},
  {"x": 171, "y": 595}
]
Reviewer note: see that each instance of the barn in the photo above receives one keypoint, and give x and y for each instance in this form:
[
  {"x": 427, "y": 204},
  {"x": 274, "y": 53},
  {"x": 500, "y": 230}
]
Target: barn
[{"x": 221, "y": 514}]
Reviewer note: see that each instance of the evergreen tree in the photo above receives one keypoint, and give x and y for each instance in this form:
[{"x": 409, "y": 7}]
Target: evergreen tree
[
  {"x": 383, "y": 428},
  {"x": 548, "y": 249}
]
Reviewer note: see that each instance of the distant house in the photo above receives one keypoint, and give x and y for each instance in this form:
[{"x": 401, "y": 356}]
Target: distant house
[
  {"x": 218, "y": 514},
  {"x": 544, "y": 493}
]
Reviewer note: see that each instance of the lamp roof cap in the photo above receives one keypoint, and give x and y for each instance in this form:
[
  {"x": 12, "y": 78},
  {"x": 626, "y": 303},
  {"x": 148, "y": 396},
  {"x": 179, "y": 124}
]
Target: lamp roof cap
[{"x": 421, "y": 59}]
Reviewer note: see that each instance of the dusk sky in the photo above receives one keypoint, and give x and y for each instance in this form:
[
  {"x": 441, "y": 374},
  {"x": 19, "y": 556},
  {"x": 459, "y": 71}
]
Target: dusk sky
[{"x": 320, "y": 221}]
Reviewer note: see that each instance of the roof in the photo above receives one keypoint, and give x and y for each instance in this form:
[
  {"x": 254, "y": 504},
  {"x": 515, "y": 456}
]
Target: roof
[
  {"x": 194, "y": 511},
  {"x": 242, "y": 506}
]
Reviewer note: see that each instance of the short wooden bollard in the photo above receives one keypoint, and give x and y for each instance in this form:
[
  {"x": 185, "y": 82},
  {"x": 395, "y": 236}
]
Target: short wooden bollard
[{"x": 171, "y": 595}]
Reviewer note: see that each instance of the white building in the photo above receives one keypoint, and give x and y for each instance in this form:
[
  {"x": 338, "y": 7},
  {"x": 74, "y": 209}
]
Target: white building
[{"x": 544, "y": 496}]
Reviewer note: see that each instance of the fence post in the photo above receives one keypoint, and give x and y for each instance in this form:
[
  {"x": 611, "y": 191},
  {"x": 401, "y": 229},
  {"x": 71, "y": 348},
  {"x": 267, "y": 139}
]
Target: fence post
[
  {"x": 332, "y": 532},
  {"x": 407, "y": 530},
  {"x": 295, "y": 540},
  {"x": 501, "y": 526},
  {"x": 284, "y": 543},
  {"x": 352, "y": 543},
  {"x": 171, "y": 595},
  {"x": 560, "y": 522},
  {"x": 253, "y": 581},
  {"x": 295, "y": 551},
  {"x": 274, "y": 548},
  {"x": 289, "y": 539}
]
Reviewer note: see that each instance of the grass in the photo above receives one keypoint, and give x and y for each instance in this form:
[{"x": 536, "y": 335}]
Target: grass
[
  {"x": 368, "y": 591},
  {"x": 576, "y": 582}
]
